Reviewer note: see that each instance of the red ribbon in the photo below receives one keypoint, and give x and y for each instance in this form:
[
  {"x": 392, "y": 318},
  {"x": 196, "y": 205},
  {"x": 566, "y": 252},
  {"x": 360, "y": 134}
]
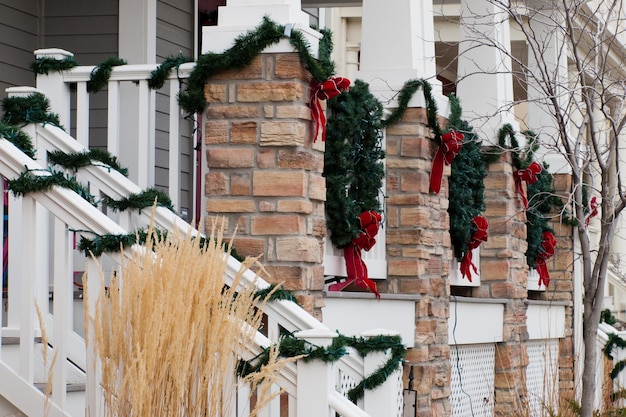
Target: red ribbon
[
  {"x": 593, "y": 210},
  {"x": 328, "y": 89},
  {"x": 547, "y": 245},
  {"x": 478, "y": 237},
  {"x": 450, "y": 146},
  {"x": 529, "y": 176},
  {"x": 356, "y": 268}
]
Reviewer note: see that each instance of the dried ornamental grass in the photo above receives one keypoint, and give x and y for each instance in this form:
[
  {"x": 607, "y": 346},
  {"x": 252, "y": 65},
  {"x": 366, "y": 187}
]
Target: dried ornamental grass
[{"x": 169, "y": 332}]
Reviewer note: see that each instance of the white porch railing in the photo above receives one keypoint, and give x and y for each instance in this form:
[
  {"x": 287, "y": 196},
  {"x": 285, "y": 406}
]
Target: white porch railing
[
  {"x": 41, "y": 254},
  {"x": 131, "y": 115}
]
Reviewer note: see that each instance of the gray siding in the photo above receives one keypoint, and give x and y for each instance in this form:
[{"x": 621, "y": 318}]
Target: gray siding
[
  {"x": 175, "y": 34},
  {"x": 88, "y": 29},
  {"x": 19, "y": 37}
]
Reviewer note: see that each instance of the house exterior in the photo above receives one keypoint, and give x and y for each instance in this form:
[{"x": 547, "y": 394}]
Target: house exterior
[{"x": 499, "y": 344}]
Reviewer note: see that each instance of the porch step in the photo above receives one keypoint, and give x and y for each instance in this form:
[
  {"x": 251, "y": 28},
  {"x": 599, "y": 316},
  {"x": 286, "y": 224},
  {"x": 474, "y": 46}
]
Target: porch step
[{"x": 73, "y": 387}]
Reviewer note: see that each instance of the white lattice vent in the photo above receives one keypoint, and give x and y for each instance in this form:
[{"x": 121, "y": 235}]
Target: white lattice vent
[
  {"x": 472, "y": 380},
  {"x": 542, "y": 376},
  {"x": 344, "y": 382}
]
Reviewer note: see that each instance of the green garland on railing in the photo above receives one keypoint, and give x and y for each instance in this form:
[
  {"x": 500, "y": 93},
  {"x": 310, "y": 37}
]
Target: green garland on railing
[
  {"x": 141, "y": 200},
  {"x": 28, "y": 183},
  {"x": 78, "y": 160},
  {"x": 466, "y": 187},
  {"x": 100, "y": 75},
  {"x": 45, "y": 65},
  {"x": 290, "y": 346},
  {"x": 114, "y": 243},
  {"x": 353, "y": 164},
  {"x": 20, "y": 111},
  {"x": 162, "y": 72},
  {"x": 275, "y": 292},
  {"x": 244, "y": 50},
  {"x": 18, "y": 138}
]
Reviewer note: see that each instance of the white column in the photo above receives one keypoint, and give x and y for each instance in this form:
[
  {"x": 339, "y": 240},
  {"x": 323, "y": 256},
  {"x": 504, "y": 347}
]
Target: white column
[
  {"x": 548, "y": 80},
  {"x": 241, "y": 16},
  {"x": 485, "y": 81},
  {"x": 315, "y": 378},
  {"x": 53, "y": 86},
  {"x": 397, "y": 45},
  {"x": 382, "y": 400}
]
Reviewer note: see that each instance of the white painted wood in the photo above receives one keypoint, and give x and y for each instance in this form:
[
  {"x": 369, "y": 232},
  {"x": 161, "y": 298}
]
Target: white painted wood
[
  {"x": 143, "y": 137},
  {"x": 484, "y": 72},
  {"x": 545, "y": 321},
  {"x": 464, "y": 315},
  {"x": 352, "y": 316},
  {"x": 315, "y": 378},
  {"x": 57, "y": 92},
  {"x": 174, "y": 145},
  {"x": 113, "y": 118},
  {"x": 93, "y": 401},
  {"x": 63, "y": 302},
  {"x": 27, "y": 277},
  {"x": 457, "y": 279},
  {"x": 241, "y": 16},
  {"x": 533, "y": 281},
  {"x": 382, "y": 400},
  {"x": 15, "y": 261},
  {"x": 408, "y": 26},
  {"x": 82, "y": 114}
]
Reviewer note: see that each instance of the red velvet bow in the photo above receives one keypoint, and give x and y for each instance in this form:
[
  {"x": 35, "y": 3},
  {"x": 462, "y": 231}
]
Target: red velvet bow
[
  {"x": 450, "y": 146},
  {"x": 593, "y": 210},
  {"x": 328, "y": 89},
  {"x": 478, "y": 237},
  {"x": 547, "y": 245},
  {"x": 529, "y": 176},
  {"x": 356, "y": 268}
]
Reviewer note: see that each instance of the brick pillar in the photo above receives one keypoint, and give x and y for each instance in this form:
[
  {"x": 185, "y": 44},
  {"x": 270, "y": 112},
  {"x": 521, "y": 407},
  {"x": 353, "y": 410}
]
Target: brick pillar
[
  {"x": 562, "y": 289},
  {"x": 504, "y": 274},
  {"x": 418, "y": 255},
  {"x": 264, "y": 173}
]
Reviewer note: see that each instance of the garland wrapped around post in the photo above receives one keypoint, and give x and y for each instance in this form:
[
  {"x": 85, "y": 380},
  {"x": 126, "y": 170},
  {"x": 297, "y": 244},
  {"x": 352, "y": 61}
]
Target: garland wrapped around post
[
  {"x": 354, "y": 172},
  {"x": 466, "y": 193},
  {"x": 539, "y": 200}
]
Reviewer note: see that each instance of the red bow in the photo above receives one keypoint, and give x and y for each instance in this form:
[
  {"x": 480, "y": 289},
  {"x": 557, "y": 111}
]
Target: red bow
[
  {"x": 478, "y": 237},
  {"x": 356, "y": 268},
  {"x": 450, "y": 146},
  {"x": 547, "y": 245},
  {"x": 593, "y": 210},
  {"x": 328, "y": 89},
  {"x": 529, "y": 176}
]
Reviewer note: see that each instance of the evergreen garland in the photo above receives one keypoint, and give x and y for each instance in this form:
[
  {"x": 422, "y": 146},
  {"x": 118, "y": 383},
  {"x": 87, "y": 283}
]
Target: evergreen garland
[
  {"x": 18, "y": 138},
  {"x": 353, "y": 161},
  {"x": 141, "y": 200},
  {"x": 20, "y": 111},
  {"x": 404, "y": 96},
  {"x": 45, "y": 65},
  {"x": 162, "y": 72},
  {"x": 100, "y": 75},
  {"x": 289, "y": 346},
  {"x": 114, "y": 243},
  {"x": 466, "y": 187},
  {"x": 81, "y": 159},
  {"x": 245, "y": 49},
  {"x": 28, "y": 183}
]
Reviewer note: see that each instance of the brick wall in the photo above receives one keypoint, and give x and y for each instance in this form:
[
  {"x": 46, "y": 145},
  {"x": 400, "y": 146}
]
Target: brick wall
[
  {"x": 418, "y": 255},
  {"x": 504, "y": 274},
  {"x": 263, "y": 172}
]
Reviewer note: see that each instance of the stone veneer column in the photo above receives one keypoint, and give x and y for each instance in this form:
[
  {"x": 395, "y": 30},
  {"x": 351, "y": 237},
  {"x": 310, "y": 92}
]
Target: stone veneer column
[
  {"x": 418, "y": 255},
  {"x": 504, "y": 275},
  {"x": 561, "y": 289},
  {"x": 265, "y": 173}
]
